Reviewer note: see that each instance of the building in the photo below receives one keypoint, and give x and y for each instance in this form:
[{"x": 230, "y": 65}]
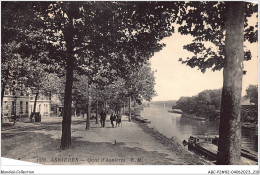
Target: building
[
  {"x": 15, "y": 103},
  {"x": 56, "y": 107},
  {"x": 43, "y": 104}
]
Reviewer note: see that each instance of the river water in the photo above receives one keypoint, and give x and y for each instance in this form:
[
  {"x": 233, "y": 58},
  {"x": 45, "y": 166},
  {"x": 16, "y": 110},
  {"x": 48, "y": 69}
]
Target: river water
[{"x": 180, "y": 127}]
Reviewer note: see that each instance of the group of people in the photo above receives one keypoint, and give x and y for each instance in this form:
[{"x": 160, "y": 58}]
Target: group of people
[{"x": 115, "y": 117}]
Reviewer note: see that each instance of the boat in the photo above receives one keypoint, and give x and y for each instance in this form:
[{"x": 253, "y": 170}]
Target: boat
[
  {"x": 207, "y": 145},
  {"x": 177, "y": 111},
  {"x": 141, "y": 119},
  {"x": 200, "y": 118}
]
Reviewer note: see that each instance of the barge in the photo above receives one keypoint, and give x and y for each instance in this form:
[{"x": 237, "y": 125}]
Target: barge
[{"x": 206, "y": 145}]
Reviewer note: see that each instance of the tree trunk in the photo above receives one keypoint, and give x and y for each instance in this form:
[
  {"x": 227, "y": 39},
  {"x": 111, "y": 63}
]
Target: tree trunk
[
  {"x": 229, "y": 146},
  {"x": 4, "y": 84},
  {"x": 3, "y": 90},
  {"x": 66, "y": 121},
  {"x": 88, "y": 115},
  {"x": 2, "y": 97},
  {"x": 88, "y": 112},
  {"x": 124, "y": 109},
  {"x": 2, "y": 93},
  {"x": 106, "y": 107},
  {"x": 130, "y": 109},
  {"x": 34, "y": 106},
  {"x": 96, "y": 112}
]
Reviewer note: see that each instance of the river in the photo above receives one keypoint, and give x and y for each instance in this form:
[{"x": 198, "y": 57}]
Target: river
[{"x": 180, "y": 127}]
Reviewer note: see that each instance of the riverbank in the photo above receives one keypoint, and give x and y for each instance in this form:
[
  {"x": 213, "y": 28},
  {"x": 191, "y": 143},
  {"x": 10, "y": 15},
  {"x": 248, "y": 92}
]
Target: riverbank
[
  {"x": 133, "y": 143},
  {"x": 244, "y": 124},
  {"x": 174, "y": 145}
]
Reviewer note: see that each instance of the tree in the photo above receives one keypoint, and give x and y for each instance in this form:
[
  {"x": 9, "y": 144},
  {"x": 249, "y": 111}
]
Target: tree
[
  {"x": 224, "y": 25},
  {"x": 116, "y": 37},
  {"x": 200, "y": 104},
  {"x": 252, "y": 93},
  {"x": 109, "y": 35},
  {"x": 22, "y": 45},
  {"x": 140, "y": 86},
  {"x": 204, "y": 97},
  {"x": 82, "y": 95}
]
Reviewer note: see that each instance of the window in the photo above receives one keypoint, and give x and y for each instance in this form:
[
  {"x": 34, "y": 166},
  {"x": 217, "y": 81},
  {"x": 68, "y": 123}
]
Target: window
[
  {"x": 21, "y": 107},
  {"x": 6, "y": 92},
  {"x": 13, "y": 92},
  {"x": 21, "y": 93},
  {"x": 46, "y": 108},
  {"x": 26, "y": 107},
  {"x": 6, "y": 107}
]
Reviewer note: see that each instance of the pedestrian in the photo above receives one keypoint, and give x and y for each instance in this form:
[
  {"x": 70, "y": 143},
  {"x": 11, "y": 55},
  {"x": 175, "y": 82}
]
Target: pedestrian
[
  {"x": 112, "y": 119},
  {"x": 118, "y": 119},
  {"x": 14, "y": 117},
  {"x": 103, "y": 116}
]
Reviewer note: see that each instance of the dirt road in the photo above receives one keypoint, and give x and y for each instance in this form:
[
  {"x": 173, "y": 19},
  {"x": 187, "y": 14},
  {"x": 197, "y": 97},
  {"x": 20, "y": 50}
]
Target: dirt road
[{"x": 132, "y": 144}]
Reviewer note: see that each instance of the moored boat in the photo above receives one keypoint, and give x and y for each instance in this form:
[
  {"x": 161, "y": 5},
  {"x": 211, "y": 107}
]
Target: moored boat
[
  {"x": 177, "y": 111},
  {"x": 207, "y": 146}
]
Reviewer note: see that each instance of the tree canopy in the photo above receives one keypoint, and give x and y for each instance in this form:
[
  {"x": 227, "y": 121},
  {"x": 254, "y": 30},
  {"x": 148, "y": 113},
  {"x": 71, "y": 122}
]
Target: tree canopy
[
  {"x": 201, "y": 104},
  {"x": 205, "y": 21},
  {"x": 252, "y": 93}
]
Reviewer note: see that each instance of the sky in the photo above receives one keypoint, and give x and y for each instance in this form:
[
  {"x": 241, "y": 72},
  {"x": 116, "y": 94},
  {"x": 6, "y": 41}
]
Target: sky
[{"x": 174, "y": 79}]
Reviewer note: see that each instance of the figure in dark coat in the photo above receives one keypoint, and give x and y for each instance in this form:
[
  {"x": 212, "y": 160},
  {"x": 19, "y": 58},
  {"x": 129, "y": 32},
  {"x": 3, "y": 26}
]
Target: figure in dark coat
[
  {"x": 118, "y": 119},
  {"x": 112, "y": 119},
  {"x": 103, "y": 116}
]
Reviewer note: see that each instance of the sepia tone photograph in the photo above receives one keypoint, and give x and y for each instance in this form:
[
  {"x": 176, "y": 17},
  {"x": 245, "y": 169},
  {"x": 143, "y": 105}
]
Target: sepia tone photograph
[{"x": 129, "y": 83}]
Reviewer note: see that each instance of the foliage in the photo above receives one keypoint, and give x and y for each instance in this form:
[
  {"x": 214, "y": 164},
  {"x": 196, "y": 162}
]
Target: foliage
[
  {"x": 252, "y": 93},
  {"x": 206, "y": 22},
  {"x": 23, "y": 46},
  {"x": 81, "y": 92},
  {"x": 205, "y": 101},
  {"x": 109, "y": 38},
  {"x": 140, "y": 84}
]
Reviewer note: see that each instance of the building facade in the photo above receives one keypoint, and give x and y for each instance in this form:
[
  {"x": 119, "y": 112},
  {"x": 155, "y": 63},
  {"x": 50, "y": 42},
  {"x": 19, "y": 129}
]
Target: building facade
[
  {"x": 15, "y": 103},
  {"x": 56, "y": 107},
  {"x": 43, "y": 104}
]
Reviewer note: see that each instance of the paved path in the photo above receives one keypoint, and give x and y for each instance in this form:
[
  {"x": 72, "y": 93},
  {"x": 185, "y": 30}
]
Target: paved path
[{"x": 129, "y": 144}]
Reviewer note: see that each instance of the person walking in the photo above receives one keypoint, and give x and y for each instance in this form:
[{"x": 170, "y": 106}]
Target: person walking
[
  {"x": 118, "y": 119},
  {"x": 103, "y": 116},
  {"x": 112, "y": 119}
]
